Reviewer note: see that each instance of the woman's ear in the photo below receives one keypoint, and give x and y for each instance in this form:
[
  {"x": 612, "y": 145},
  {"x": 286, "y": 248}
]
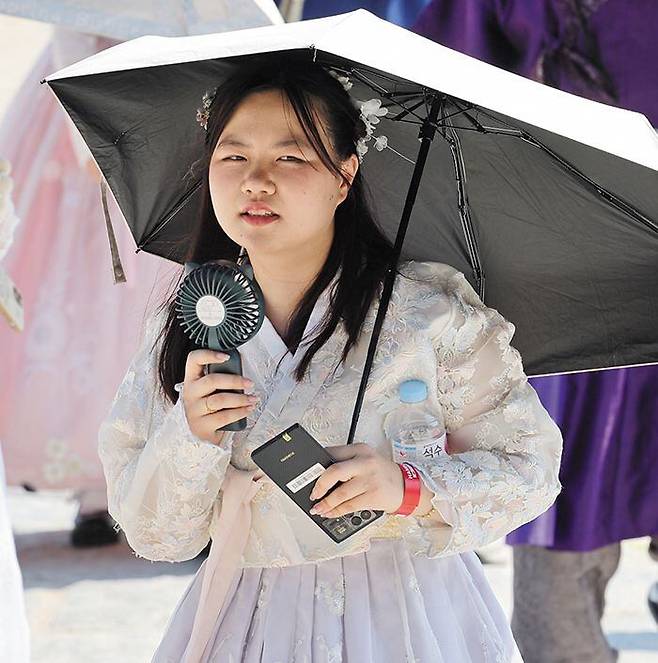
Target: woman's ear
[{"x": 349, "y": 168}]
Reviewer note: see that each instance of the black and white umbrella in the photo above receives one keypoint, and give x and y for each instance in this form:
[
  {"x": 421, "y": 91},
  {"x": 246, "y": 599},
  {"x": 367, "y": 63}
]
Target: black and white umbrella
[{"x": 546, "y": 201}]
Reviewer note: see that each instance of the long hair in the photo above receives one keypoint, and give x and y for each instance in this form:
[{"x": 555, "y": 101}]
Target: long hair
[{"x": 360, "y": 253}]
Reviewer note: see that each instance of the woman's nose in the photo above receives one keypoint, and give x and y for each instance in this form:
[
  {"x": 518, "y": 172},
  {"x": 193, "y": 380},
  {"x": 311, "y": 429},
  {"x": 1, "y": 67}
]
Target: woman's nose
[{"x": 258, "y": 181}]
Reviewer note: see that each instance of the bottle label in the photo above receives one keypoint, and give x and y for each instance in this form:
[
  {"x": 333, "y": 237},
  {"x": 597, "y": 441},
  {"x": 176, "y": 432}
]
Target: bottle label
[
  {"x": 436, "y": 448},
  {"x": 404, "y": 451},
  {"x": 424, "y": 449}
]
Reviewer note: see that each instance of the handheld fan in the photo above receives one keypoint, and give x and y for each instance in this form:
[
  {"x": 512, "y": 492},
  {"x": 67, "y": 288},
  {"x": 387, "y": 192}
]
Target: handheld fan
[{"x": 220, "y": 306}]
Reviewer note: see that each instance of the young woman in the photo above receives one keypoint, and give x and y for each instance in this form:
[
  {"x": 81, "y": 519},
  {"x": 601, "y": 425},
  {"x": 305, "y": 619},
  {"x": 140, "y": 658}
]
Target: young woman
[{"x": 283, "y": 182}]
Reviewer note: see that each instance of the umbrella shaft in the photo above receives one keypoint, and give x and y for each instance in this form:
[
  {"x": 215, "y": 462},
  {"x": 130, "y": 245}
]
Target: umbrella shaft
[{"x": 426, "y": 135}]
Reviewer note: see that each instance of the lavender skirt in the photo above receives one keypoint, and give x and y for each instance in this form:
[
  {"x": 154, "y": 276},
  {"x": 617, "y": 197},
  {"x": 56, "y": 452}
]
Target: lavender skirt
[{"x": 381, "y": 606}]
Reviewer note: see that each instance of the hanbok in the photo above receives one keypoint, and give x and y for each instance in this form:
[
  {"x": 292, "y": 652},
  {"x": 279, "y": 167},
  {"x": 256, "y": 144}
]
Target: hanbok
[
  {"x": 60, "y": 374},
  {"x": 14, "y": 636},
  {"x": 275, "y": 587}
]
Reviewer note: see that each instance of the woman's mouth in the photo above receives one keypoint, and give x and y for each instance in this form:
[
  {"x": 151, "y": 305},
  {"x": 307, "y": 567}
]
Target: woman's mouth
[{"x": 259, "y": 217}]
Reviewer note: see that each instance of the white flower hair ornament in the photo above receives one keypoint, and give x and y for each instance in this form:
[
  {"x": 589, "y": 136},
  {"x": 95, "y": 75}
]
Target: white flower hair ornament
[
  {"x": 343, "y": 80},
  {"x": 203, "y": 113},
  {"x": 370, "y": 113}
]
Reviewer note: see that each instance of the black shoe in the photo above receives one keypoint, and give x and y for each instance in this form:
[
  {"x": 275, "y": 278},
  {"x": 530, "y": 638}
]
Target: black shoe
[
  {"x": 93, "y": 529},
  {"x": 653, "y": 601},
  {"x": 653, "y": 548},
  {"x": 204, "y": 553}
]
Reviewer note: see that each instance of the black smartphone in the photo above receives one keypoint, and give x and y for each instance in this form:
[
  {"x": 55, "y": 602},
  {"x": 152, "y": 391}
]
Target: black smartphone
[{"x": 294, "y": 460}]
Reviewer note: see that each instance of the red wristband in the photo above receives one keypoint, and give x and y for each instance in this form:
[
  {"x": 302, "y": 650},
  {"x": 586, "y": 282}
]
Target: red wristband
[{"x": 411, "y": 498}]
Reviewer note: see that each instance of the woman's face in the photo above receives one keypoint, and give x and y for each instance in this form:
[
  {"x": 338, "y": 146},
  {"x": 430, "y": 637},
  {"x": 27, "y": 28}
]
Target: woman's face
[{"x": 270, "y": 191}]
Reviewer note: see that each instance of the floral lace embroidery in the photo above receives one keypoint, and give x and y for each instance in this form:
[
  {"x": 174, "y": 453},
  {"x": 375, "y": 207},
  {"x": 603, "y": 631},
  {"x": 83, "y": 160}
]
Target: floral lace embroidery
[
  {"x": 164, "y": 485},
  {"x": 413, "y": 584},
  {"x": 333, "y": 654},
  {"x": 333, "y": 596},
  {"x": 263, "y": 597}
]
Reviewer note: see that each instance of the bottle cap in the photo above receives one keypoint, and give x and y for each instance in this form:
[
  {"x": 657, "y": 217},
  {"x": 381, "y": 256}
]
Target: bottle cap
[{"x": 412, "y": 391}]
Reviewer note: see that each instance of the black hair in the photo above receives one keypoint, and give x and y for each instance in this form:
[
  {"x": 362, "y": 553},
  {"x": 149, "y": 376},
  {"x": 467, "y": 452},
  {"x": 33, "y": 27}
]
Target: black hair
[{"x": 360, "y": 253}]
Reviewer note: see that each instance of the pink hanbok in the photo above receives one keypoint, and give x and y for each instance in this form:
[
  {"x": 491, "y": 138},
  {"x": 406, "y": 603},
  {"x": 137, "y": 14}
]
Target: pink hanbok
[{"x": 81, "y": 330}]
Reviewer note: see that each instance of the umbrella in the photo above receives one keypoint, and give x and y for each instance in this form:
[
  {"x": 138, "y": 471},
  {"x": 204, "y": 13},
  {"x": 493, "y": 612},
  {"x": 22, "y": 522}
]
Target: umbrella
[
  {"x": 545, "y": 201},
  {"x": 127, "y": 19}
]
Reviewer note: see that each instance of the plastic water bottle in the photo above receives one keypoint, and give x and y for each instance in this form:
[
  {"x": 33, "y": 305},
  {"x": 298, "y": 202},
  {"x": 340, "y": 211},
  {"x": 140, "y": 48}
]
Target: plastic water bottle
[{"x": 416, "y": 431}]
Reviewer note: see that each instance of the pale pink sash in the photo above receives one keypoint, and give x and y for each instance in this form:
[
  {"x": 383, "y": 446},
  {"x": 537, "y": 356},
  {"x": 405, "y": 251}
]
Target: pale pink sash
[{"x": 229, "y": 537}]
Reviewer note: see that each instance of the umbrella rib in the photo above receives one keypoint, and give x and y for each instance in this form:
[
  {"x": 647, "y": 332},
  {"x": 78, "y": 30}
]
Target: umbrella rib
[
  {"x": 385, "y": 93},
  {"x": 462, "y": 204},
  {"x": 353, "y": 70},
  {"x": 406, "y": 110},
  {"x": 390, "y": 96},
  {"x": 182, "y": 202},
  {"x": 461, "y": 111},
  {"x": 404, "y": 93},
  {"x": 467, "y": 115},
  {"x": 612, "y": 198}
]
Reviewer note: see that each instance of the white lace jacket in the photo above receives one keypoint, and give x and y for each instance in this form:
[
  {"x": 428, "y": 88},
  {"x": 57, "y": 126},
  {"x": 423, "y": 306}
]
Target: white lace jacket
[{"x": 164, "y": 484}]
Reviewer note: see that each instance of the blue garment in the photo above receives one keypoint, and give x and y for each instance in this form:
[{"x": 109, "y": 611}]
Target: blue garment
[{"x": 401, "y": 12}]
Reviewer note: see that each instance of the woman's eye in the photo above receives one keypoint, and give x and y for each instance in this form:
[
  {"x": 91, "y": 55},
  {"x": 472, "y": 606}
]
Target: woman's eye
[
  {"x": 291, "y": 158},
  {"x": 233, "y": 157}
]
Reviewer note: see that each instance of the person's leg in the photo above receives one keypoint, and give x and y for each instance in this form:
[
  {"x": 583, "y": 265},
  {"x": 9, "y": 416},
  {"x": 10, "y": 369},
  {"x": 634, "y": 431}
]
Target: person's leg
[{"x": 558, "y": 604}]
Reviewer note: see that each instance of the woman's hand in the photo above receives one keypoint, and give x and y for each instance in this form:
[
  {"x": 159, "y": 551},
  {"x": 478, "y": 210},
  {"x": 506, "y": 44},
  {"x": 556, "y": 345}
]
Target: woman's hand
[
  {"x": 207, "y": 411},
  {"x": 370, "y": 481}
]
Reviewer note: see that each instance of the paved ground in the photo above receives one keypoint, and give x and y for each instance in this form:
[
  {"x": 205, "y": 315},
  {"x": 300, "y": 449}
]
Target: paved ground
[{"x": 105, "y": 605}]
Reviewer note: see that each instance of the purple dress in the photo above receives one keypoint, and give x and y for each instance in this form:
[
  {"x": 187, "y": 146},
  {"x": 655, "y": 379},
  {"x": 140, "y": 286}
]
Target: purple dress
[{"x": 609, "y": 419}]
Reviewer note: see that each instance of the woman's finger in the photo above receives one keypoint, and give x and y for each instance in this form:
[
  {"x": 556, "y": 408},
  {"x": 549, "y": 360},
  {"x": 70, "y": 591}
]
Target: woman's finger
[
  {"x": 197, "y": 360},
  {"x": 343, "y": 471},
  {"x": 209, "y": 384},
  {"x": 223, "y": 400},
  {"x": 211, "y": 423},
  {"x": 348, "y": 451},
  {"x": 358, "y": 503},
  {"x": 338, "y": 496}
]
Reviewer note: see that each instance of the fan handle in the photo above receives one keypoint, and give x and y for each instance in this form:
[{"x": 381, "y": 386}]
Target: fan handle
[{"x": 234, "y": 367}]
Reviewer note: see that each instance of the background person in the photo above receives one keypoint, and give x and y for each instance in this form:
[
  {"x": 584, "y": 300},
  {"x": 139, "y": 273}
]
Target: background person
[{"x": 604, "y": 50}]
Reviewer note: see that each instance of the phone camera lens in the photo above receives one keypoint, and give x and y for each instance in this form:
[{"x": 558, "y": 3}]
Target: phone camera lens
[
  {"x": 356, "y": 521},
  {"x": 366, "y": 515}
]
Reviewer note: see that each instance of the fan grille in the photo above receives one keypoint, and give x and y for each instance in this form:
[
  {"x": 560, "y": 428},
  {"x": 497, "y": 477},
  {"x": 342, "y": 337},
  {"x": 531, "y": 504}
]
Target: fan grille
[{"x": 239, "y": 297}]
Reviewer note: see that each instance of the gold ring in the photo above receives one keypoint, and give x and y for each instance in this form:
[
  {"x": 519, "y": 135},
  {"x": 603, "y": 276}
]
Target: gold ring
[{"x": 208, "y": 410}]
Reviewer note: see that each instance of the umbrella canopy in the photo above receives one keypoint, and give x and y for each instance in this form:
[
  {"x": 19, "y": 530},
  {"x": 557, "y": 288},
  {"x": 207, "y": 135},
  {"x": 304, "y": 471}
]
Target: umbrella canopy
[
  {"x": 127, "y": 19},
  {"x": 546, "y": 201}
]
